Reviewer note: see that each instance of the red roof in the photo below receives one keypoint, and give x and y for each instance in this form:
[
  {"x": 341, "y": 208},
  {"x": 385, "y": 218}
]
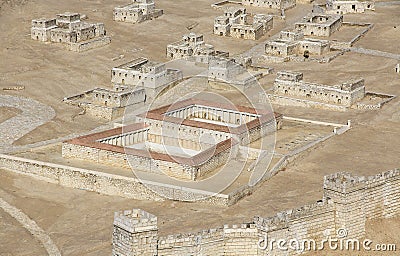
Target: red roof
[
  {"x": 159, "y": 114},
  {"x": 92, "y": 140}
]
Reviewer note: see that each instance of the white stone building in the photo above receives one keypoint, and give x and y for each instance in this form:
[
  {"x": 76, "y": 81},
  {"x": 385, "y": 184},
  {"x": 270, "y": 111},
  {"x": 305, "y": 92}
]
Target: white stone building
[
  {"x": 227, "y": 73},
  {"x": 68, "y": 28},
  {"x": 141, "y": 72},
  {"x": 104, "y": 103},
  {"x": 273, "y": 4},
  {"x": 290, "y": 85},
  {"x": 348, "y": 6},
  {"x": 191, "y": 45},
  {"x": 293, "y": 43},
  {"x": 318, "y": 24},
  {"x": 235, "y": 23},
  {"x": 138, "y": 11}
]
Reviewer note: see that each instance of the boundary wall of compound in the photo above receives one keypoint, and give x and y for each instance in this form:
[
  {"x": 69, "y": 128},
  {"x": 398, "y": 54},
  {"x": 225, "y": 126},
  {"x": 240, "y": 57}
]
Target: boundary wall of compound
[{"x": 117, "y": 185}]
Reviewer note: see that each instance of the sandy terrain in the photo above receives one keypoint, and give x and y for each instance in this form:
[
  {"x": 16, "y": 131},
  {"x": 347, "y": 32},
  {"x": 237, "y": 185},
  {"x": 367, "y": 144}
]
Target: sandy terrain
[
  {"x": 80, "y": 222},
  {"x": 7, "y": 113}
]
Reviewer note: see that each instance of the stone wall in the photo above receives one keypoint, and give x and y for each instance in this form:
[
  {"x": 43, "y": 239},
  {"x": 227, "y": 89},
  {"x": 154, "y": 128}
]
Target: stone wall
[
  {"x": 204, "y": 162},
  {"x": 90, "y": 44},
  {"x": 348, "y": 202},
  {"x": 273, "y": 4},
  {"x": 375, "y": 196},
  {"x": 104, "y": 183},
  {"x": 79, "y": 178},
  {"x": 121, "y": 160},
  {"x": 287, "y": 101}
]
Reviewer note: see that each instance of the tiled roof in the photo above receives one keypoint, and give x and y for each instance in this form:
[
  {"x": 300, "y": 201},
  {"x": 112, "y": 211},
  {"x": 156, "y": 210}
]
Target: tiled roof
[
  {"x": 91, "y": 140},
  {"x": 158, "y": 114}
]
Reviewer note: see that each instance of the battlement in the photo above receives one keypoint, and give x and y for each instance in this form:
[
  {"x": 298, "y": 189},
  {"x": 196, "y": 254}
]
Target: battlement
[
  {"x": 310, "y": 221},
  {"x": 346, "y": 182},
  {"x": 205, "y": 237},
  {"x": 383, "y": 176},
  {"x": 282, "y": 219},
  {"x": 343, "y": 182},
  {"x": 190, "y": 239},
  {"x": 135, "y": 221}
]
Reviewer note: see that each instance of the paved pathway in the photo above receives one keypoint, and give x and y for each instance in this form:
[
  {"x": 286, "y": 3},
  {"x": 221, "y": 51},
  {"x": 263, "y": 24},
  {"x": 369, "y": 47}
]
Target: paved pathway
[
  {"x": 391, "y": 3},
  {"x": 375, "y": 53},
  {"x": 32, "y": 227},
  {"x": 33, "y": 114}
]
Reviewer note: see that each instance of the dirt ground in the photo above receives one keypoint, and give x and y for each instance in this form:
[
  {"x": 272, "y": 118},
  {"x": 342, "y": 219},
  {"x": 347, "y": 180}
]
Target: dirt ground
[
  {"x": 80, "y": 222},
  {"x": 7, "y": 113}
]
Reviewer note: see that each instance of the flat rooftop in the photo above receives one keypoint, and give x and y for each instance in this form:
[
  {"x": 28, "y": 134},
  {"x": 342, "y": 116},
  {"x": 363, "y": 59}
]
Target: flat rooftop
[
  {"x": 138, "y": 64},
  {"x": 320, "y": 19},
  {"x": 68, "y": 14}
]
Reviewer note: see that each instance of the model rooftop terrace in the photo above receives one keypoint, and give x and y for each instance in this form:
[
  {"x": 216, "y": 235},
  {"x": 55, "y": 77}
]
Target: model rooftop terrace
[
  {"x": 139, "y": 64},
  {"x": 323, "y": 19}
]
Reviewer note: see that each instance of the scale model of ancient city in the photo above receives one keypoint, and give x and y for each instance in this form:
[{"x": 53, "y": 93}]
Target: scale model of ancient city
[{"x": 199, "y": 127}]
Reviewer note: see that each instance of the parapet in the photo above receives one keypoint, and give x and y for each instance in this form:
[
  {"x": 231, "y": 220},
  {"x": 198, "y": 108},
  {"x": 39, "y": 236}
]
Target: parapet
[
  {"x": 283, "y": 219},
  {"x": 233, "y": 11},
  {"x": 290, "y": 76},
  {"x": 291, "y": 35},
  {"x": 352, "y": 85},
  {"x": 135, "y": 221},
  {"x": 43, "y": 23},
  {"x": 193, "y": 37},
  {"x": 343, "y": 182},
  {"x": 143, "y": 1},
  {"x": 383, "y": 176},
  {"x": 68, "y": 17}
]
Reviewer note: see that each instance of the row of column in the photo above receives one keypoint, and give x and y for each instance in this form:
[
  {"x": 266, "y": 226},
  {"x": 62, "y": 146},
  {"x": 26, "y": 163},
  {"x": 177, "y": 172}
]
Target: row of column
[
  {"x": 127, "y": 139},
  {"x": 214, "y": 114}
]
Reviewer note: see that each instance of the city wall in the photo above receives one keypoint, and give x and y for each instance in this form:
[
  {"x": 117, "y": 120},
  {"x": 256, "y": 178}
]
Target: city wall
[{"x": 348, "y": 202}]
